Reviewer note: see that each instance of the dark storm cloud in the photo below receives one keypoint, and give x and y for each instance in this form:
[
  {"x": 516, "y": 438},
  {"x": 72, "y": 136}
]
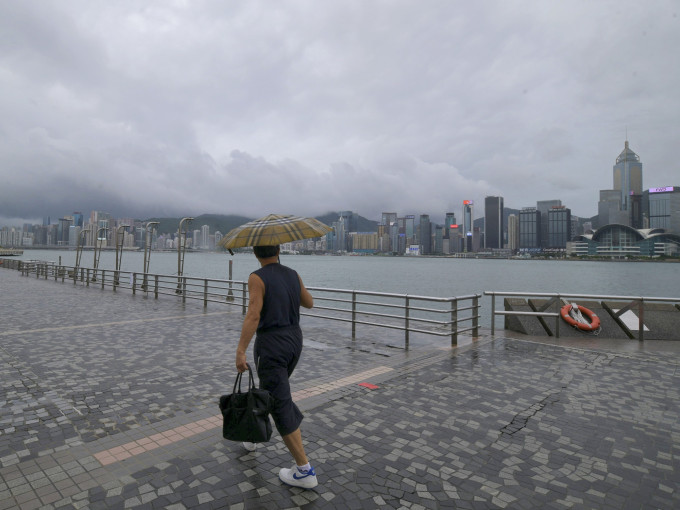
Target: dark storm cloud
[{"x": 160, "y": 108}]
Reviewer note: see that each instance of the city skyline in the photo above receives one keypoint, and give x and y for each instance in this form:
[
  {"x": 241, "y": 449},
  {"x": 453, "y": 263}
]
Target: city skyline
[{"x": 415, "y": 107}]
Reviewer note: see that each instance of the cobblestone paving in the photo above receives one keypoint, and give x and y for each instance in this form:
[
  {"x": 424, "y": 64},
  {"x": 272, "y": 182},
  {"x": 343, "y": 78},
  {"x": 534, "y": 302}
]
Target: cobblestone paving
[{"x": 499, "y": 423}]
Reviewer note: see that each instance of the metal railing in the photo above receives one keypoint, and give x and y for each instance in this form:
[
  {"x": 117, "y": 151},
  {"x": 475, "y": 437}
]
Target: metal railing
[
  {"x": 437, "y": 316},
  {"x": 555, "y": 302},
  {"x": 408, "y": 313}
]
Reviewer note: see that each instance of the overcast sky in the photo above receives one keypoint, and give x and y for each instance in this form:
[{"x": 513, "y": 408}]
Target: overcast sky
[{"x": 178, "y": 108}]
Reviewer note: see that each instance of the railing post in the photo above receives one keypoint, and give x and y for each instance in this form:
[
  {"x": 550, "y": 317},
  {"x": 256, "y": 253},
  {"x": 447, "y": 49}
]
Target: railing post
[
  {"x": 63, "y": 273},
  {"x": 641, "y": 316},
  {"x": 557, "y": 319},
  {"x": 205, "y": 293},
  {"x": 134, "y": 282},
  {"x": 230, "y": 294},
  {"x": 454, "y": 322},
  {"x": 354, "y": 314},
  {"x": 155, "y": 290},
  {"x": 87, "y": 279},
  {"x": 475, "y": 317},
  {"x": 244, "y": 297},
  {"x": 493, "y": 314},
  {"x": 407, "y": 321},
  {"x": 103, "y": 277},
  {"x": 184, "y": 289}
]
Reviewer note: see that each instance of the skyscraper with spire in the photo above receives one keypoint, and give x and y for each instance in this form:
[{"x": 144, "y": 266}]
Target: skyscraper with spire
[{"x": 628, "y": 181}]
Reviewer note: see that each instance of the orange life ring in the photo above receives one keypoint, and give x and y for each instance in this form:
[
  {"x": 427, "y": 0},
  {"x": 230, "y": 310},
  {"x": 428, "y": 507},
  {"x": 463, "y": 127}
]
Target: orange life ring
[{"x": 589, "y": 314}]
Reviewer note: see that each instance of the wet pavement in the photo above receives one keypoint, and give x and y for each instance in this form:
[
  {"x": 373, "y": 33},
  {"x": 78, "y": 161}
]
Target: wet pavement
[{"x": 109, "y": 400}]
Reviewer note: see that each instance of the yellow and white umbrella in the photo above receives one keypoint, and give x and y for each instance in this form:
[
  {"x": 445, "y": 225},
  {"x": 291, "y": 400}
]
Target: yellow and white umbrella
[{"x": 273, "y": 230}]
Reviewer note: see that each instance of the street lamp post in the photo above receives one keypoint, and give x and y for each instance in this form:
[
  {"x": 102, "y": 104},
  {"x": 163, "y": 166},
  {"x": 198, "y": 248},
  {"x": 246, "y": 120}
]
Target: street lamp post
[
  {"x": 181, "y": 248},
  {"x": 119, "y": 248},
  {"x": 147, "y": 249},
  {"x": 79, "y": 248},
  {"x": 97, "y": 253}
]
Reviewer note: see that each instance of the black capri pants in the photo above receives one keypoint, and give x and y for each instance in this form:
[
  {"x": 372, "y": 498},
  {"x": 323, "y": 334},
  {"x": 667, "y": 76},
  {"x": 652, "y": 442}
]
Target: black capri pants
[{"x": 277, "y": 351}]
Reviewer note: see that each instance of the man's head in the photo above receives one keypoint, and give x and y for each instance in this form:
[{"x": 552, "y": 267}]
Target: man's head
[{"x": 265, "y": 252}]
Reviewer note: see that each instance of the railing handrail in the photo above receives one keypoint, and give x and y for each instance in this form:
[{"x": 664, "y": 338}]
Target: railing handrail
[
  {"x": 580, "y": 296},
  {"x": 215, "y": 290}
]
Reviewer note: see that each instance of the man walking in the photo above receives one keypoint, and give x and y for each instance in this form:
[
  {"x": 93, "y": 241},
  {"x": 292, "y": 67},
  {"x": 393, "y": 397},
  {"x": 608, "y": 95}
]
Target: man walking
[{"x": 273, "y": 316}]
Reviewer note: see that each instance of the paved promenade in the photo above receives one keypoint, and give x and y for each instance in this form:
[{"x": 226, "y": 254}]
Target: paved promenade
[{"x": 109, "y": 401}]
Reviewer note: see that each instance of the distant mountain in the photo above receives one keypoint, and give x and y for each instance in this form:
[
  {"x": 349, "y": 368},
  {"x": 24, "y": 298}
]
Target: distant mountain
[{"x": 225, "y": 223}]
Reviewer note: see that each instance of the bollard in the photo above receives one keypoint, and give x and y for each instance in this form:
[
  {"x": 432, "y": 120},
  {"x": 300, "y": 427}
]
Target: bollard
[
  {"x": 407, "y": 322},
  {"x": 454, "y": 322},
  {"x": 475, "y": 320},
  {"x": 354, "y": 315}
]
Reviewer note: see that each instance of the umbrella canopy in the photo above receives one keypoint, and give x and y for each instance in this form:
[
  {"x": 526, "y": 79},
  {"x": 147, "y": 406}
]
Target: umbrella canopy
[{"x": 272, "y": 230}]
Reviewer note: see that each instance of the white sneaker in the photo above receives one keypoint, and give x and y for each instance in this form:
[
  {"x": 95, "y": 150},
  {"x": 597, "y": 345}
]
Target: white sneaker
[
  {"x": 251, "y": 447},
  {"x": 296, "y": 478}
]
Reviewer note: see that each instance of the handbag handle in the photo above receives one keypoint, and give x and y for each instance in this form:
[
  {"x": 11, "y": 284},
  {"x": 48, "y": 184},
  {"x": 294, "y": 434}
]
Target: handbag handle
[{"x": 237, "y": 382}]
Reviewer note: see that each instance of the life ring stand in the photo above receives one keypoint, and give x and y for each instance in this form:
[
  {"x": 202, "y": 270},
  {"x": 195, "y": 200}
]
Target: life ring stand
[{"x": 593, "y": 321}]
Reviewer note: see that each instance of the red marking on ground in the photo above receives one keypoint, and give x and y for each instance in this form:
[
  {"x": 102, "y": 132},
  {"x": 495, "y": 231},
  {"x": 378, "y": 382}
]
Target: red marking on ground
[{"x": 369, "y": 386}]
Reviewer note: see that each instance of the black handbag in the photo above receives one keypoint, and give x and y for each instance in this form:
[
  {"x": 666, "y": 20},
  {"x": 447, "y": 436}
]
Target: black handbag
[{"x": 246, "y": 415}]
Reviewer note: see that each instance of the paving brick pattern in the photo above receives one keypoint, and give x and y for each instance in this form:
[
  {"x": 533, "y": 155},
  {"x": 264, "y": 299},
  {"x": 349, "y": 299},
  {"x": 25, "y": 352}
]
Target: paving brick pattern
[{"x": 109, "y": 400}]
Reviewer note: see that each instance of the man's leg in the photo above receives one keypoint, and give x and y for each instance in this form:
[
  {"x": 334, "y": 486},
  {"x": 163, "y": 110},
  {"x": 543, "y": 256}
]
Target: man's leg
[
  {"x": 301, "y": 475},
  {"x": 294, "y": 443}
]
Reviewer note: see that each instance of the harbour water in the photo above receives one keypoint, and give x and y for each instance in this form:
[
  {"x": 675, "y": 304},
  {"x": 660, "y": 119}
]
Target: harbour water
[{"x": 442, "y": 277}]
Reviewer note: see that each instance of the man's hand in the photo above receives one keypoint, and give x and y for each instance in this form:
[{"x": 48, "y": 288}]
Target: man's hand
[{"x": 241, "y": 364}]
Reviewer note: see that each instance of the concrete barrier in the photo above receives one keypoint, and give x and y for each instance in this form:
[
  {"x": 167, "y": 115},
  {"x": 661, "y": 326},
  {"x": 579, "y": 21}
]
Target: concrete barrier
[
  {"x": 661, "y": 320},
  {"x": 526, "y": 324}
]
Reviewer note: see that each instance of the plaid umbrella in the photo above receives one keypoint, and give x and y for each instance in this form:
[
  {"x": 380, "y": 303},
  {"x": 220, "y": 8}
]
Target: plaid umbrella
[{"x": 272, "y": 230}]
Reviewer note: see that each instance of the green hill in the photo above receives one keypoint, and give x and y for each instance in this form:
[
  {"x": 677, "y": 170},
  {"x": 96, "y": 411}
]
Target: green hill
[{"x": 225, "y": 223}]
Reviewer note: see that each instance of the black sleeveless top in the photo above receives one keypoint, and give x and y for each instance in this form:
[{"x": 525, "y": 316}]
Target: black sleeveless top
[{"x": 281, "y": 301}]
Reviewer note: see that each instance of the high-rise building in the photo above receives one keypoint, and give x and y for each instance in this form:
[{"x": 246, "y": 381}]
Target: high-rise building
[
  {"x": 384, "y": 233},
  {"x": 410, "y": 229},
  {"x": 438, "y": 239},
  {"x": 388, "y": 218},
  {"x": 543, "y": 206},
  {"x": 493, "y": 222},
  {"x": 529, "y": 229},
  {"x": 609, "y": 208},
  {"x": 559, "y": 228},
  {"x": 513, "y": 232},
  {"x": 449, "y": 224},
  {"x": 661, "y": 208},
  {"x": 205, "y": 237},
  {"x": 351, "y": 220},
  {"x": 78, "y": 219},
  {"x": 63, "y": 231},
  {"x": 468, "y": 220},
  {"x": 628, "y": 180},
  {"x": 425, "y": 234}
]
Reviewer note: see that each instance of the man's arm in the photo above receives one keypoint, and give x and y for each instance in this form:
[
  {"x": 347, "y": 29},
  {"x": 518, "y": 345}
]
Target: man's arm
[
  {"x": 251, "y": 320},
  {"x": 306, "y": 298}
]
